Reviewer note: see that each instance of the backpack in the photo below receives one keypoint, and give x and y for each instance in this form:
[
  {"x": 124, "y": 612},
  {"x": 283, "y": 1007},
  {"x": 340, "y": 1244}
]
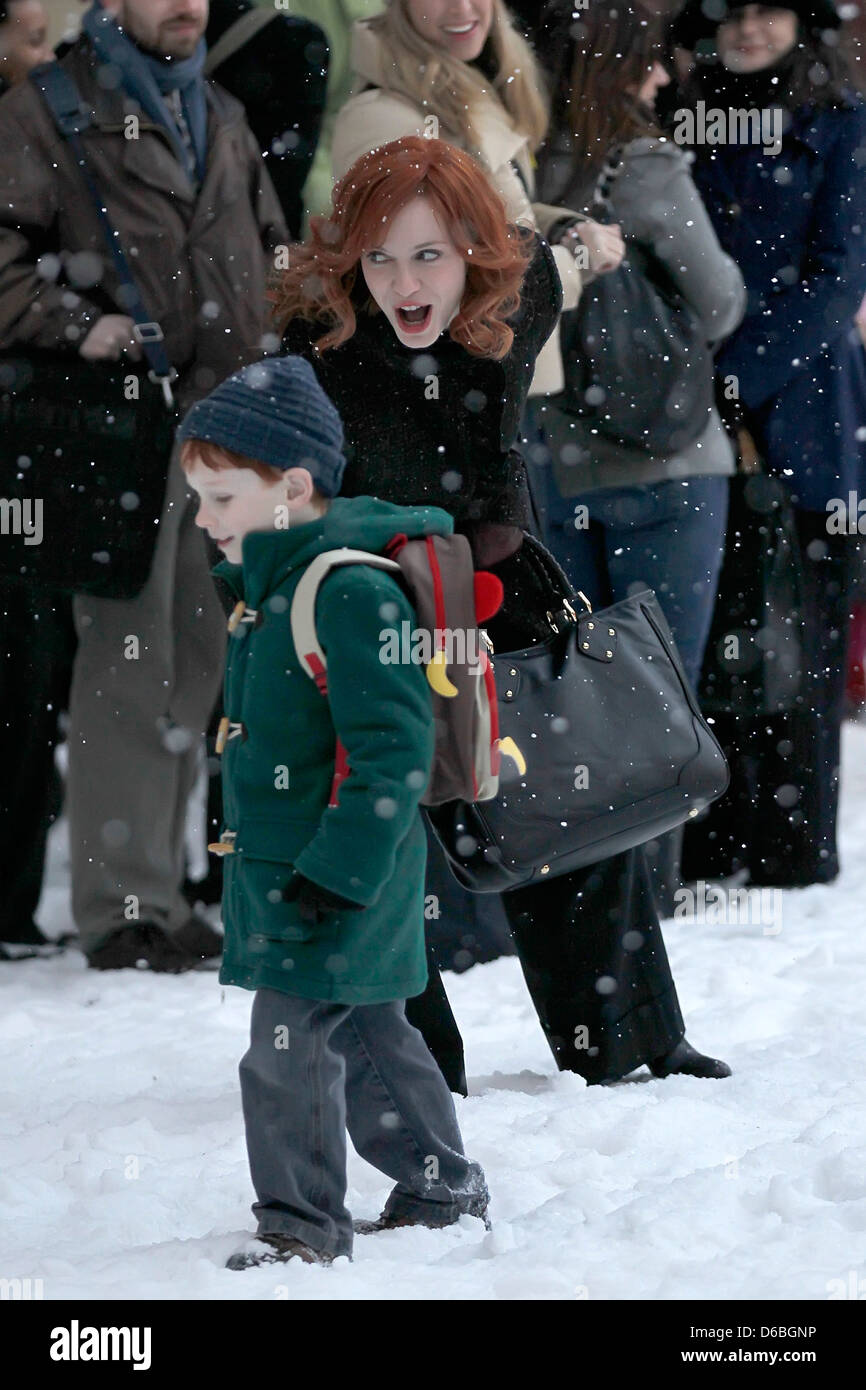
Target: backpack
[{"x": 450, "y": 600}]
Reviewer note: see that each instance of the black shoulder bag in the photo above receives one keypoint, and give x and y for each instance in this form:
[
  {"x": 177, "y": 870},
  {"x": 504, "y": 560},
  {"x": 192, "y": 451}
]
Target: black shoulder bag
[
  {"x": 84, "y": 447},
  {"x": 638, "y": 367},
  {"x": 604, "y": 746}
]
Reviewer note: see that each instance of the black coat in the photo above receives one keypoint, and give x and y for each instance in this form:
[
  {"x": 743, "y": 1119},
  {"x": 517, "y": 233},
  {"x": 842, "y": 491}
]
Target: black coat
[
  {"x": 279, "y": 76},
  {"x": 795, "y": 226},
  {"x": 439, "y": 426}
]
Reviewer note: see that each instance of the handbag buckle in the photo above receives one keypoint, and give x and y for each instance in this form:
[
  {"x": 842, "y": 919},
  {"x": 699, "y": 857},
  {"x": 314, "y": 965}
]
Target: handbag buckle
[
  {"x": 567, "y": 609},
  {"x": 583, "y": 598}
]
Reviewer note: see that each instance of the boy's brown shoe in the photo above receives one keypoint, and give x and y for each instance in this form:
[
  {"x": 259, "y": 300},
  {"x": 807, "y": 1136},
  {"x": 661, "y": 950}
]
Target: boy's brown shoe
[
  {"x": 434, "y": 1220},
  {"x": 275, "y": 1249}
]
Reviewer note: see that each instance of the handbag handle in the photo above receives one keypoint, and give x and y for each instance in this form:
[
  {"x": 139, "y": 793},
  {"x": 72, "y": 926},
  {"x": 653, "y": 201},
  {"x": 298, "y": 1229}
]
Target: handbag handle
[
  {"x": 549, "y": 569},
  {"x": 610, "y": 172},
  {"x": 71, "y": 117}
]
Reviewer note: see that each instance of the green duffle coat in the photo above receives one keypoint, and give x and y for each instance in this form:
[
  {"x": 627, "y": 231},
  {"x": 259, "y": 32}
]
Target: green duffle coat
[{"x": 278, "y": 767}]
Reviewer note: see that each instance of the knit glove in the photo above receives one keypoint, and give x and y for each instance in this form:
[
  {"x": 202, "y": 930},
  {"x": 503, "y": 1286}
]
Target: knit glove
[{"x": 315, "y": 902}]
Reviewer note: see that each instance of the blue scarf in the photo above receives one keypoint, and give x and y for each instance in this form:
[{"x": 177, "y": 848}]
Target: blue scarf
[{"x": 146, "y": 78}]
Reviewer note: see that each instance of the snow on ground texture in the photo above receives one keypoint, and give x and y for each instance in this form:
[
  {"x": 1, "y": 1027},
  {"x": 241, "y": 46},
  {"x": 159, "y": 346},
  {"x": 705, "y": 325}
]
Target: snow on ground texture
[{"x": 124, "y": 1170}]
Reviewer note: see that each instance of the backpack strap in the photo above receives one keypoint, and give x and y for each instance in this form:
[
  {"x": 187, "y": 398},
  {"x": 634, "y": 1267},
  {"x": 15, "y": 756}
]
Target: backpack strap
[
  {"x": 303, "y": 611},
  {"x": 302, "y": 617}
]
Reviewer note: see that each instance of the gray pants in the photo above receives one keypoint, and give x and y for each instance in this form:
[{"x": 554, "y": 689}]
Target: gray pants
[
  {"x": 146, "y": 678},
  {"x": 314, "y": 1070}
]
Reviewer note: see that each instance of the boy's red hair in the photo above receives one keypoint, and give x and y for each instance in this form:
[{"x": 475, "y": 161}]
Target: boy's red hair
[
  {"x": 204, "y": 451},
  {"x": 324, "y": 271}
]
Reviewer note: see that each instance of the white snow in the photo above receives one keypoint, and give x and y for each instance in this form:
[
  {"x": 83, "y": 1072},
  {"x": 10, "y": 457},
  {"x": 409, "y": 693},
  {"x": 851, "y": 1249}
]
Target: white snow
[{"x": 124, "y": 1169}]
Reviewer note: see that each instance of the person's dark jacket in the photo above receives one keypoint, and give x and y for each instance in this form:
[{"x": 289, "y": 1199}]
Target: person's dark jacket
[
  {"x": 796, "y": 225},
  {"x": 279, "y": 74},
  {"x": 438, "y": 426},
  {"x": 200, "y": 258}
]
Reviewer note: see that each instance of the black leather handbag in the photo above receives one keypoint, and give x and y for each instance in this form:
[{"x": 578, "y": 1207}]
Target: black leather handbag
[
  {"x": 85, "y": 447},
  {"x": 604, "y": 747}
]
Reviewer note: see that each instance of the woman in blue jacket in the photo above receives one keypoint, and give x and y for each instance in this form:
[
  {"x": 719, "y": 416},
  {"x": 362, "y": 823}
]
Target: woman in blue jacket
[{"x": 792, "y": 212}]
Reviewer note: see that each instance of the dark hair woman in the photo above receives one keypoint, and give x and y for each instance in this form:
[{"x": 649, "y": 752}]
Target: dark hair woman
[
  {"x": 618, "y": 516},
  {"x": 795, "y": 220},
  {"x": 423, "y": 311}
]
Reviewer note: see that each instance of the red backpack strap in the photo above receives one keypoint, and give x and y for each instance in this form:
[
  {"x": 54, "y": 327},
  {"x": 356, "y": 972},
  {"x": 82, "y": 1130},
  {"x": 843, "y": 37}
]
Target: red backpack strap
[{"x": 395, "y": 545}]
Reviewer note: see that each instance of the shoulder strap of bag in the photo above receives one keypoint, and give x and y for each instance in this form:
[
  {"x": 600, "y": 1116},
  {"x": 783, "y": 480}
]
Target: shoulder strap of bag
[
  {"x": 302, "y": 615},
  {"x": 234, "y": 38},
  {"x": 608, "y": 176},
  {"x": 72, "y": 117}
]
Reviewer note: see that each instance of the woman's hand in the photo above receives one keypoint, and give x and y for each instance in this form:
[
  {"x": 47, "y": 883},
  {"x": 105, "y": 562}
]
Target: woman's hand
[{"x": 603, "y": 241}]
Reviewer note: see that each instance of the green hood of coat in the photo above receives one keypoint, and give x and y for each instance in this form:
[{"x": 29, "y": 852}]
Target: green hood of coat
[{"x": 362, "y": 523}]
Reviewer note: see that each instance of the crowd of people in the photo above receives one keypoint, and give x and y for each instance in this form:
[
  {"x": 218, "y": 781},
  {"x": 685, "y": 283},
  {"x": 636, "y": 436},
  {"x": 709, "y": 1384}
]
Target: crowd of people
[{"x": 324, "y": 210}]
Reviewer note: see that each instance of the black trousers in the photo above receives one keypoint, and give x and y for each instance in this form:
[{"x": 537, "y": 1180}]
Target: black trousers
[
  {"x": 594, "y": 960},
  {"x": 778, "y": 817},
  {"x": 37, "y": 646}
]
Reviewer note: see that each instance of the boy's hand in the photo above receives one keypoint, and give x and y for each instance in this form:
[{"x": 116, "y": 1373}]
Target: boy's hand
[{"x": 315, "y": 902}]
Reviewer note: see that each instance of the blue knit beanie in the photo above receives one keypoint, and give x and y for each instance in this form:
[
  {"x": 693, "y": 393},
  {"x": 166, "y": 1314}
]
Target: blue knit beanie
[{"x": 276, "y": 412}]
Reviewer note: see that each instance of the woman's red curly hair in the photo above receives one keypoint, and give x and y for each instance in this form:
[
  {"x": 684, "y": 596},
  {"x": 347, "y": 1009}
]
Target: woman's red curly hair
[{"x": 324, "y": 270}]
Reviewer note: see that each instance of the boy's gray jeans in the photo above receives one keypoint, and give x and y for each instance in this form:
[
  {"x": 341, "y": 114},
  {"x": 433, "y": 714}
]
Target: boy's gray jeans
[{"x": 314, "y": 1070}]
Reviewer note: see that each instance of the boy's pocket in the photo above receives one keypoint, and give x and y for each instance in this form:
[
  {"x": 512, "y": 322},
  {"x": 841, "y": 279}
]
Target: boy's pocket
[
  {"x": 260, "y": 869},
  {"x": 260, "y": 884}
]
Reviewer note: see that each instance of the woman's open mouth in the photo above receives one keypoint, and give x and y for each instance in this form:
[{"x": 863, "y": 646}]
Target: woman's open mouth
[
  {"x": 414, "y": 318},
  {"x": 223, "y": 541},
  {"x": 461, "y": 31}
]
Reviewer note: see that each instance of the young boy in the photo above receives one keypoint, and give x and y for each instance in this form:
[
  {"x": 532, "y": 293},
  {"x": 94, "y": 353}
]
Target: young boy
[{"x": 323, "y": 903}]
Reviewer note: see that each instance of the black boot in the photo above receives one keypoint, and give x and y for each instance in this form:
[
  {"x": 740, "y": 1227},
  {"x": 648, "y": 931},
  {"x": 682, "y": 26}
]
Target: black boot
[
  {"x": 685, "y": 1061},
  {"x": 143, "y": 945},
  {"x": 198, "y": 938}
]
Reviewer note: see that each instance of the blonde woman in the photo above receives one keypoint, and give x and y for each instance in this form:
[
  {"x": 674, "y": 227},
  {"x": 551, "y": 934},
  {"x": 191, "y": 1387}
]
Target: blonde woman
[{"x": 459, "y": 71}]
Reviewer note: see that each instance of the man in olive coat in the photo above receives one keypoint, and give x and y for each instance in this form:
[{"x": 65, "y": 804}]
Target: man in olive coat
[{"x": 189, "y": 198}]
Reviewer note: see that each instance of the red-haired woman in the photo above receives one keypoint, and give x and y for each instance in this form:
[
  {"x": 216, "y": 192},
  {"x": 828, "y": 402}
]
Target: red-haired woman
[{"x": 423, "y": 311}]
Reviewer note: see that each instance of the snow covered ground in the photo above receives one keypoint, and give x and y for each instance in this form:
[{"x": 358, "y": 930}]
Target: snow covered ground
[{"x": 123, "y": 1170}]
